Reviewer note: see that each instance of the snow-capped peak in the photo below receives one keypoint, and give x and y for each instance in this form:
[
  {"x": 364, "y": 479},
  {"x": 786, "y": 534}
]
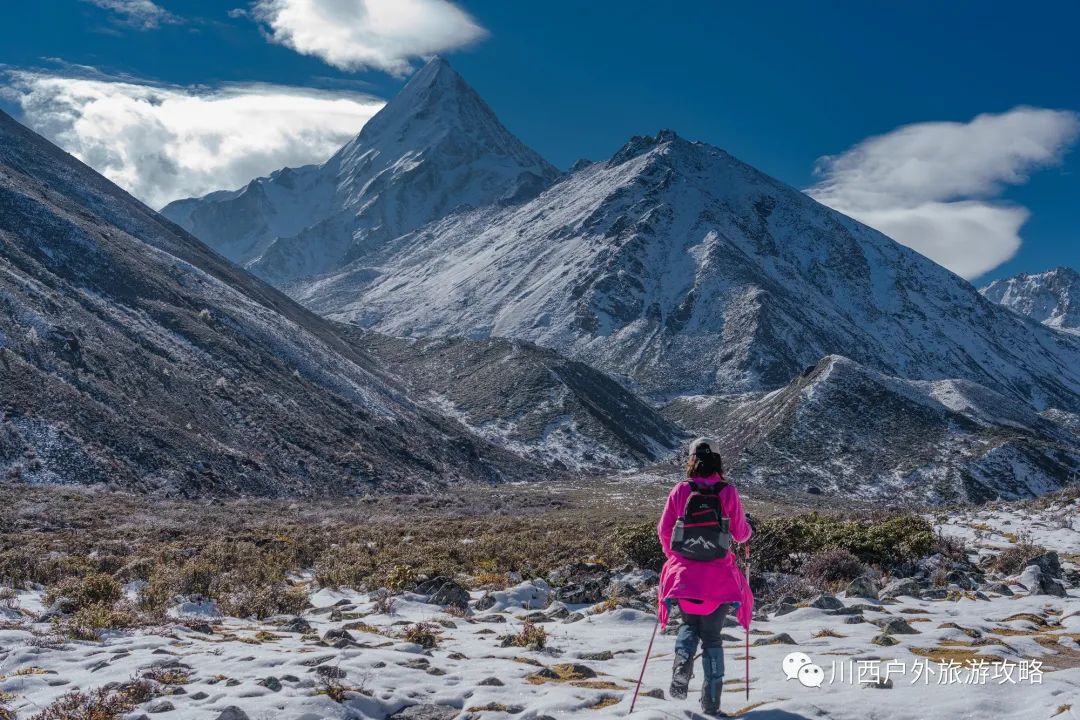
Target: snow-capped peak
[
  {"x": 432, "y": 149},
  {"x": 1052, "y": 297}
]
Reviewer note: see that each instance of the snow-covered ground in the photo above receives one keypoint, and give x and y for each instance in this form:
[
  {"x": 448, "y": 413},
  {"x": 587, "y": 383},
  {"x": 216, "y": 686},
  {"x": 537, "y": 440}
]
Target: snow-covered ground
[{"x": 1030, "y": 644}]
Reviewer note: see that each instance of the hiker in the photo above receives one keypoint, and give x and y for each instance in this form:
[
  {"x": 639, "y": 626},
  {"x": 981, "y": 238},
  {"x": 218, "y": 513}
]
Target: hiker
[{"x": 700, "y": 573}]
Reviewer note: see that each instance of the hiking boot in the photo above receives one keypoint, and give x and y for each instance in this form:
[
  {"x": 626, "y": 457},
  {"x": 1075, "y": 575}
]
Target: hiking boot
[
  {"x": 681, "y": 673},
  {"x": 712, "y": 666}
]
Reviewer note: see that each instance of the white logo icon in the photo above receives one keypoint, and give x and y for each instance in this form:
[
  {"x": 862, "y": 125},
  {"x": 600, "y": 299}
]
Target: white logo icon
[
  {"x": 811, "y": 675},
  {"x": 793, "y": 662}
]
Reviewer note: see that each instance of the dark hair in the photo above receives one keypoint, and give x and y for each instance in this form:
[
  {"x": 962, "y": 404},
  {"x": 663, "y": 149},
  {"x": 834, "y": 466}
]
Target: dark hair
[{"x": 704, "y": 463}]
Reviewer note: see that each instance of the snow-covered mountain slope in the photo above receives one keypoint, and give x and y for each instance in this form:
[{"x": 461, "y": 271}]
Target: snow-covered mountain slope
[
  {"x": 531, "y": 400},
  {"x": 688, "y": 271},
  {"x": 435, "y": 147},
  {"x": 844, "y": 429},
  {"x": 1052, "y": 297},
  {"x": 131, "y": 354}
]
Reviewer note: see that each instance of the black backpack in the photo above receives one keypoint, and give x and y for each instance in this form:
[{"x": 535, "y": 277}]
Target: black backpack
[{"x": 702, "y": 533}]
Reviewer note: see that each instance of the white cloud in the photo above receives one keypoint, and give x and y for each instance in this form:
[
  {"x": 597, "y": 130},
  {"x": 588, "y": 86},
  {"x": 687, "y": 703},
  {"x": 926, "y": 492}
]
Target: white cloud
[
  {"x": 358, "y": 34},
  {"x": 138, "y": 13},
  {"x": 932, "y": 186},
  {"x": 162, "y": 143}
]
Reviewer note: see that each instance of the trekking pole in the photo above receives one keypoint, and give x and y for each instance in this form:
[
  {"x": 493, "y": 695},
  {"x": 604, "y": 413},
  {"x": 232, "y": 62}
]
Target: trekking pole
[
  {"x": 746, "y": 550},
  {"x": 648, "y": 652}
]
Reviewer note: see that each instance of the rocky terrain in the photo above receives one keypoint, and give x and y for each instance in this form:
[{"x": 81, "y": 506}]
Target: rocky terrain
[
  {"x": 133, "y": 356},
  {"x": 989, "y": 618},
  {"x": 686, "y": 271},
  {"x": 555, "y": 411},
  {"x": 699, "y": 284},
  {"x": 1052, "y": 298},
  {"x": 840, "y": 423},
  {"x": 434, "y": 148}
]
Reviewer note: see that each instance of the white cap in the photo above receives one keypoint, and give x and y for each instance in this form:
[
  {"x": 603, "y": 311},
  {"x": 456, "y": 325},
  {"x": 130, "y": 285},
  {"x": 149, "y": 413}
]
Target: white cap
[{"x": 704, "y": 442}]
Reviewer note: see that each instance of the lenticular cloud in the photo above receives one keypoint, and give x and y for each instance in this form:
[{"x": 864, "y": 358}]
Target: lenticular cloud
[
  {"x": 933, "y": 186},
  {"x": 162, "y": 143}
]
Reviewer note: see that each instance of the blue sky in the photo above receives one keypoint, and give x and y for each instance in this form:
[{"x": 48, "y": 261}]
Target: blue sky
[{"x": 777, "y": 84}]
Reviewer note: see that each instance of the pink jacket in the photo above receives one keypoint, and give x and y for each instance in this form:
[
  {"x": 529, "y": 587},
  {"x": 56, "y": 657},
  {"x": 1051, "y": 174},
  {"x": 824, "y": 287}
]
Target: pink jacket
[{"x": 711, "y": 582}]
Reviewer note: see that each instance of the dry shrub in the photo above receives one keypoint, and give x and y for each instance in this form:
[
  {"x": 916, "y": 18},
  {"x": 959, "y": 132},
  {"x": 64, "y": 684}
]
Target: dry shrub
[
  {"x": 783, "y": 543},
  {"x": 423, "y": 634},
  {"x": 100, "y": 704},
  {"x": 382, "y": 603},
  {"x": 531, "y": 636},
  {"x": 1017, "y": 557},
  {"x": 243, "y": 578},
  {"x": 828, "y": 569},
  {"x": 95, "y": 589},
  {"x": 488, "y": 580}
]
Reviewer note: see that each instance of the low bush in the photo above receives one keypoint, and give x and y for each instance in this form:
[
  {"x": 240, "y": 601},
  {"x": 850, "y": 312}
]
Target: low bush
[
  {"x": 96, "y": 589},
  {"x": 101, "y": 704},
  {"x": 423, "y": 634},
  {"x": 530, "y": 636},
  {"x": 832, "y": 567},
  {"x": 1015, "y": 558},
  {"x": 785, "y": 543},
  {"x": 640, "y": 545}
]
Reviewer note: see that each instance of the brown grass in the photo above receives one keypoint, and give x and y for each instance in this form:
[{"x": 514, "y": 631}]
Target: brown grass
[
  {"x": 960, "y": 655},
  {"x": 828, "y": 633}
]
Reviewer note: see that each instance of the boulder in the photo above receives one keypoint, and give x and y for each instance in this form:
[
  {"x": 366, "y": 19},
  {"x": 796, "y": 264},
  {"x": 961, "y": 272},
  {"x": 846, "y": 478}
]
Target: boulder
[
  {"x": 578, "y": 573},
  {"x": 1038, "y": 582},
  {"x": 1049, "y": 563},
  {"x": 427, "y": 712},
  {"x": 781, "y": 639},
  {"x": 586, "y": 592},
  {"x": 901, "y": 586},
  {"x": 233, "y": 713},
  {"x": 863, "y": 587},
  {"x": 826, "y": 602},
  {"x": 895, "y": 626},
  {"x": 445, "y": 591}
]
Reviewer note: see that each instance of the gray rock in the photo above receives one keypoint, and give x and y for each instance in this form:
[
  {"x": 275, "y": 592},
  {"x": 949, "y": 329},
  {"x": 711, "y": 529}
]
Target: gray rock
[
  {"x": 427, "y": 712},
  {"x": 1040, "y": 583},
  {"x": 895, "y": 626},
  {"x": 330, "y": 671},
  {"x": 161, "y": 706},
  {"x": 884, "y": 640},
  {"x": 784, "y": 608},
  {"x": 332, "y": 636},
  {"x": 998, "y": 587},
  {"x": 583, "y": 593},
  {"x": 862, "y": 586},
  {"x": 270, "y": 683},
  {"x": 484, "y": 603},
  {"x": 296, "y": 625},
  {"x": 558, "y": 611},
  {"x": 492, "y": 618},
  {"x": 444, "y": 591},
  {"x": 901, "y": 586},
  {"x": 826, "y": 602},
  {"x": 885, "y": 684},
  {"x": 780, "y": 639},
  {"x": 1049, "y": 563},
  {"x": 233, "y": 713}
]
